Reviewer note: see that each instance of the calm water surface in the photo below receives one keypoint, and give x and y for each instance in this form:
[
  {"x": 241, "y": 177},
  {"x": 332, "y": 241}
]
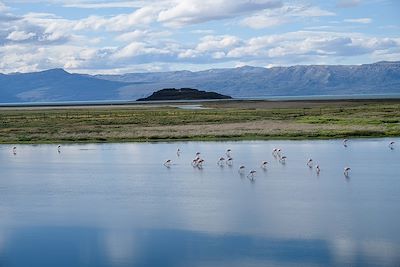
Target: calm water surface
[{"x": 117, "y": 205}]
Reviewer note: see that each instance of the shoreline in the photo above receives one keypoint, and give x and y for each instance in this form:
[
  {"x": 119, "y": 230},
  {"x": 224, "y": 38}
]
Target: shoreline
[
  {"x": 195, "y": 139},
  {"x": 135, "y": 103},
  {"x": 217, "y": 121}
]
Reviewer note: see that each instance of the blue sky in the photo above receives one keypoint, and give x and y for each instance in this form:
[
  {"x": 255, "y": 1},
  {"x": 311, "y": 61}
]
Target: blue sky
[{"x": 122, "y": 36}]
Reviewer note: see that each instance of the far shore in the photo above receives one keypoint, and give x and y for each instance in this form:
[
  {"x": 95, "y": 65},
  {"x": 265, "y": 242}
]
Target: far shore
[
  {"x": 204, "y": 120},
  {"x": 135, "y": 103}
]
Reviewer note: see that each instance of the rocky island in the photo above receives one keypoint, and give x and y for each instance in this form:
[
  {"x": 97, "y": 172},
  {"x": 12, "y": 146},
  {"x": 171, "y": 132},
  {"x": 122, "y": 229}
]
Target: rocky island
[{"x": 183, "y": 94}]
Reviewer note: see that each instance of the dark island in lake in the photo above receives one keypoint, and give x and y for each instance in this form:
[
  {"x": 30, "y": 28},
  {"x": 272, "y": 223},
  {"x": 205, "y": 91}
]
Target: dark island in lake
[{"x": 183, "y": 94}]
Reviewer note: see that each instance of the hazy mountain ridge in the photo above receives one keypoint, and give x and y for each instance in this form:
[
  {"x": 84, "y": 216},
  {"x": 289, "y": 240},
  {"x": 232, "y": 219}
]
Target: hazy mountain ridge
[{"x": 57, "y": 85}]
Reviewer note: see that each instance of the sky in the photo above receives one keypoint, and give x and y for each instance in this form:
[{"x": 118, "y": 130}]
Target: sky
[{"x": 120, "y": 36}]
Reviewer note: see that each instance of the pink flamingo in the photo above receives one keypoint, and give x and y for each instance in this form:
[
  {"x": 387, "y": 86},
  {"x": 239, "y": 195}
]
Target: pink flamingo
[
  {"x": 346, "y": 171},
  {"x": 310, "y": 163},
  {"x": 264, "y": 164},
  {"x": 195, "y": 161},
  {"x": 229, "y": 161},
  {"x": 317, "y": 169},
  {"x": 391, "y": 144},
  {"x": 241, "y": 169},
  {"x": 221, "y": 161},
  {"x": 168, "y": 163},
  {"x": 345, "y": 142},
  {"x": 228, "y": 152},
  {"x": 283, "y": 159},
  {"x": 178, "y": 152},
  {"x": 15, "y": 150},
  {"x": 200, "y": 163},
  {"x": 251, "y": 175}
]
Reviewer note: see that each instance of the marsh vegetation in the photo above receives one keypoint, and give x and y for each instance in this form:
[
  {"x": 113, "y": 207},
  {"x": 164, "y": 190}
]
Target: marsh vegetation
[{"x": 222, "y": 120}]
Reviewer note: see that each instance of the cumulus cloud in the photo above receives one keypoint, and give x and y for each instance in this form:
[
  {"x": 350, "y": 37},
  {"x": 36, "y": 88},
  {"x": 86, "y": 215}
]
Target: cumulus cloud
[
  {"x": 193, "y": 11},
  {"x": 168, "y": 34},
  {"x": 20, "y": 35},
  {"x": 282, "y": 15},
  {"x": 213, "y": 43},
  {"x": 137, "y": 35},
  {"x": 300, "y": 46},
  {"x": 310, "y": 43},
  {"x": 122, "y": 22},
  {"x": 99, "y": 5}
]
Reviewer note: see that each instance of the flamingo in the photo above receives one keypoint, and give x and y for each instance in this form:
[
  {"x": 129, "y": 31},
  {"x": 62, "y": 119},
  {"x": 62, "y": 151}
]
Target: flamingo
[
  {"x": 229, "y": 161},
  {"x": 198, "y": 154},
  {"x": 310, "y": 163},
  {"x": 274, "y": 152},
  {"x": 195, "y": 161},
  {"x": 168, "y": 163},
  {"x": 345, "y": 142},
  {"x": 15, "y": 150},
  {"x": 391, "y": 144},
  {"x": 241, "y": 169},
  {"x": 264, "y": 164},
  {"x": 221, "y": 161},
  {"x": 283, "y": 159},
  {"x": 178, "y": 152},
  {"x": 251, "y": 175},
  {"x": 200, "y": 163},
  {"x": 317, "y": 169},
  {"x": 59, "y": 148},
  {"x": 346, "y": 171},
  {"x": 228, "y": 152}
]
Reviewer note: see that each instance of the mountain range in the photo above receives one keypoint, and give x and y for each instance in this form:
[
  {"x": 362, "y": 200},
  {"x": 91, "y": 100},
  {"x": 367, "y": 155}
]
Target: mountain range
[{"x": 59, "y": 85}]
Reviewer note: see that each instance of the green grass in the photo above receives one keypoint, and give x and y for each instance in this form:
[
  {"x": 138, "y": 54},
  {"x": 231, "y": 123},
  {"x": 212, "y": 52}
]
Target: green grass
[{"x": 356, "y": 119}]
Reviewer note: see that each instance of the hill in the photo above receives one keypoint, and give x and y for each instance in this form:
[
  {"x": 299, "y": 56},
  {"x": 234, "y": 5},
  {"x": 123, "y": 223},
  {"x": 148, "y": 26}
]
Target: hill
[
  {"x": 56, "y": 85},
  {"x": 183, "y": 94},
  {"x": 59, "y": 85},
  {"x": 376, "y": 78}
]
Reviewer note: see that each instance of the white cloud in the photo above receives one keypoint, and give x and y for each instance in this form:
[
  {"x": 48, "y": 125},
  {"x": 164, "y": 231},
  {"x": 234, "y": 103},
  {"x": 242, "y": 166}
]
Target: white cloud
[
  {"x": 360, "y": 20},
  {"x": 135, "y": 49},
  {"x": 3, "y": 7},
  {"x": 213, "y": 43},
  {"x": 203, "y": 32},
  {"x": 260, "y": 21},
  {"x": 138, "y": 35},
  {"x": 20, "y": 35},
  {"x": 308, "y": 44},
  {"x": 285, "y": 14},
  {"x": 194, "y": 11},
  {"x": 121, "y": 22},
  {"x": 142, "y": 38},
  {"x": 97, "y": 5}
]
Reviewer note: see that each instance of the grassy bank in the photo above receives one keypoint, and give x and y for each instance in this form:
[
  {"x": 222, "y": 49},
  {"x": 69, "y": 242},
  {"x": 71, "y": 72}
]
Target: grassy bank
[{"x": 223, "y": 120}]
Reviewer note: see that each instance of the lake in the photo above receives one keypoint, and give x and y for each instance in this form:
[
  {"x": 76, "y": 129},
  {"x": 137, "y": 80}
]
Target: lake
[
  {"x": 118, "y": 205},
  {"x": 186, "y": 103}
]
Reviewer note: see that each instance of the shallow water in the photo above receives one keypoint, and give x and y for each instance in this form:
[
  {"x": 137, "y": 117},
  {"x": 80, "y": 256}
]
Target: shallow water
[{"x": 118, "y": 205}]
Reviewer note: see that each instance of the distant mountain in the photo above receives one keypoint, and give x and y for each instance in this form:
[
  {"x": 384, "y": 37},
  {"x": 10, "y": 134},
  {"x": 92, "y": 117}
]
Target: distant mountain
[
  {"x": 377, "y": 78},
  {"x": 55, "y": 85},
  {"x": 59, "y": 85},
  {"x": 183, "y": 94}
]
